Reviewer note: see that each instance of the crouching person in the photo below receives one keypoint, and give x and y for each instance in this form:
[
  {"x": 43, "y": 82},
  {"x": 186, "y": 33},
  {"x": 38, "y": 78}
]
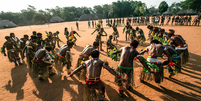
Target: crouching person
[
  {"x": 41, "y": 62},
  {"x": 93, "y": 81}
]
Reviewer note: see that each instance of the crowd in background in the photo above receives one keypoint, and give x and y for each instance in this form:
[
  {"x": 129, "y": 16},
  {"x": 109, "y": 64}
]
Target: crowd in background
[{"x": 186, "y": 20}]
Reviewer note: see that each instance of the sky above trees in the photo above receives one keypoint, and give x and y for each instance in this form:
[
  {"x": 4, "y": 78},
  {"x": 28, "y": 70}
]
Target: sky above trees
[{"x": 18, "y": 5}]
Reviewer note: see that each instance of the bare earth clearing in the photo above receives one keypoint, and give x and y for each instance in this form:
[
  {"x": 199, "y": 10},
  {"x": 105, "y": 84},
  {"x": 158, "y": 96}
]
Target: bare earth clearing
[{"x": 17, "y": 84}]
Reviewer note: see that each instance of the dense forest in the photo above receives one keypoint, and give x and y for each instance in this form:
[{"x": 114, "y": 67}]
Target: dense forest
[{"x": 123, "y": 8}]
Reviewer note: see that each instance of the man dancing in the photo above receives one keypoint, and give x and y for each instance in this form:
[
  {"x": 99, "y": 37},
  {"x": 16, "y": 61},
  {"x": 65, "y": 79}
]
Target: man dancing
[
  {"x": 180, "y": 46},
  {"x": 94, "y": 67},
  {"x": 11, "y": 51},
  {"x": 126, "y": 64},
  {"x": 141, "y": 37},
  {"x": 63, "y": 57}
]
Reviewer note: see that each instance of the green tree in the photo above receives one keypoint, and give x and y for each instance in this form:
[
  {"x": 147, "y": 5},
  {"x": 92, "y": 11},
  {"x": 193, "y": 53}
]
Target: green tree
[
  {"x": 163, "y": 7},
  {"x": 86, "y": 11},
  {"x": 175, "y": 7},
  {"x": 191, "y": 4}
]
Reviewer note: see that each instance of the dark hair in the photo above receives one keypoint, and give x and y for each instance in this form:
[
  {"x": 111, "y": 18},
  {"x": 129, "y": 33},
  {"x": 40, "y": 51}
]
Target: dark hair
[
  {"x": 33, "y": 37},
  {"x": 11, "y": 34},
  {"x": 110, "y": 36},
  {"x": 95, "y": 54},
  {"x": 95, "y": 43},
  {"x": 137, "y": 28},
  {"x": 70, "y": 43},
  {"x": 7, "y": 37},
  {"x": 155, "y": 41},
  {"x": 34, "y": 32},
  {"x": 48, "y": 49},
  {"x": 26, "y": 36},
  {"x": 39, "y": 33},
  {"x": 134, "y": 43}
]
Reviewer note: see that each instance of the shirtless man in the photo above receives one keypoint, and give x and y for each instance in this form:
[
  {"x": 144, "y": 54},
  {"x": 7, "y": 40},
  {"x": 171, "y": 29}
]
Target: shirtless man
[
  {"x": 40, "y": 41},
  {"x": 12, "y": 53},
  {"x": 56, "y": 38},
  {"x": 66, "y": 32},
  {"x": 23, "y": 41},
  {"x": 126, "y": 64},
  {"x": 98, "y": 27},
  {"x": 156, "y": 51},
  {"x": 41, "y": 62},
  {"x": 84, "y": 56},
  {"x": 74, "y": 38},
  {"x": 63, "y": 57},
  {"x": 49, "y": 42},
  {"x": 17, "y": 42},
  {"x": 150, "y": 27},
  {"x": 175, "y": 58},
  {"x": 132, "y": 33},
  {"x": 127, "y": 27},
  {"x": 115, "y": 33},
  {"x": 180, "y": 46},
  {"x": 98, "y": 38},
  {"x": 94, "y": 67},
  {"x": 141, "y": 37},
  {"x": 109, "y": 44},
  {"x": 30, "y": 49}
]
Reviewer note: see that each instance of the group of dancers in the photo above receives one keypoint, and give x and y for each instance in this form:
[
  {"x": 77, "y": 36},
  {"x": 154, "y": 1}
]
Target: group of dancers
[{"x": 41, "y": 56}]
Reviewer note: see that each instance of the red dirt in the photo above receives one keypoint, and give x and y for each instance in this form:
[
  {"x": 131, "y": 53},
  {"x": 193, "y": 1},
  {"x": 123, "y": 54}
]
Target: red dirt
[{"x": 17, "y": 84}]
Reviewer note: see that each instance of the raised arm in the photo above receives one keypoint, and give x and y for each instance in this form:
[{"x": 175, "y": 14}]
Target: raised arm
[
  {"x": 94, "y": 31},
  {"x": 77, "y": 34},
  {"x": 77, "y": 70}
]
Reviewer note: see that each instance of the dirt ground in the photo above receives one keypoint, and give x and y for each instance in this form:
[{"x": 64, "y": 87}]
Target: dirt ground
[{"x": 17, "y": 84}]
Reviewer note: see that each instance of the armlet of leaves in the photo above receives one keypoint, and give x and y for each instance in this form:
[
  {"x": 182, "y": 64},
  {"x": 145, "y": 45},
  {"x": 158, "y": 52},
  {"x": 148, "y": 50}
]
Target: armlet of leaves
[
  {"x": 118, "y": 73},
  {"x": 150, "y": 65},
  {"x": 2, "y": 50},
  {"x": 115, "y": 57}
]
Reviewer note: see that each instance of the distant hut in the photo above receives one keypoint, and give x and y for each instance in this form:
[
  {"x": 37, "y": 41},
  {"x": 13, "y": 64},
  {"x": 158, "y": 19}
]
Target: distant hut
[
  {"x": 56, "y": 19},
  {"x": 7, "y": 24}
]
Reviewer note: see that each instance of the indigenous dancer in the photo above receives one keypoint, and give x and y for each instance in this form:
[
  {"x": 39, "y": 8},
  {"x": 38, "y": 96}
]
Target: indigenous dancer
[
  {"x": 56, "y": 39},
  {"x": 150, "y": 27},
  {"x": 98, "y": 38},
  {"x": 84, "y": 56},
  {"x": 109, "y": 44},
  {"x": 141, "y": 37},
  {"x": 17, "y": 42},
  {"x": 115, "y": 33},
  {"x": 49, "y": 42},
  {"x": 132, "y": 33},
  {"x": 63, "y": 57},
  {"x": 156, "y": 51},
  {"x": 40, "y": 42},
  {"x": 175, "y": 58},
  {"x": 126, "y": 64},
  {"x": 98, "y": 27},
  {"x": 11, "y": 52},
  {"x": 30, "y": 49},
  {"x": 74, "y": 38},
  {"x": 127, "y": 27},
  {"x": 93, "y": 81},
  {"x": 41, "y": 62},
  {"x": 180, "y": 46},
  {"x": 66, "y": 32},
  {"x": 23, "y": 41}
]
